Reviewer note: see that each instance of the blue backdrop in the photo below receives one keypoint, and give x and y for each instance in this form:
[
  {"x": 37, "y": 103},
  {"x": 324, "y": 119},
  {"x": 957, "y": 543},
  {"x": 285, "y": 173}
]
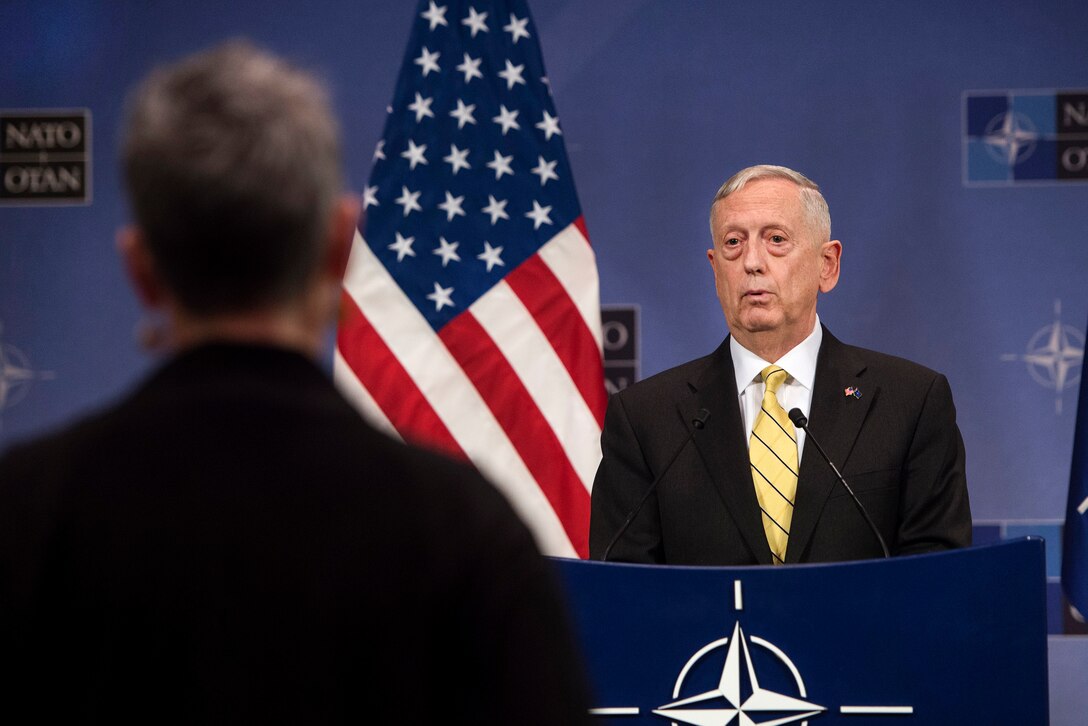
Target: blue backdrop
[{"x": 659, "y": 102}]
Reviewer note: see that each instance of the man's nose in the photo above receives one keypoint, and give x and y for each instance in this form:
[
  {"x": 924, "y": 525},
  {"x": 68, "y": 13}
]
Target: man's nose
[{"x": 755, "y": 257}]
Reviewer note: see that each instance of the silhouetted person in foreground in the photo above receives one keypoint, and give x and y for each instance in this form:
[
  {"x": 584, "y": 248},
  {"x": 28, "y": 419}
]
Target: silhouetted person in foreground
[{"x": 231, "y": 542}]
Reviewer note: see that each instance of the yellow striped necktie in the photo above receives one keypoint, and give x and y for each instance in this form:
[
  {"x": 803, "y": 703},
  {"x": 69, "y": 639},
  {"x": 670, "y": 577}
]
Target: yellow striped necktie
[{"x": 773, "y": 452}]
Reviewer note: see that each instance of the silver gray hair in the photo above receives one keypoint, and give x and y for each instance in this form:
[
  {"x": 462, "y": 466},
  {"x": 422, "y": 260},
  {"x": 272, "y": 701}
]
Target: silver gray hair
[
  {"x": 813, "y": 202},
  {"x": 232, "y": 163}
]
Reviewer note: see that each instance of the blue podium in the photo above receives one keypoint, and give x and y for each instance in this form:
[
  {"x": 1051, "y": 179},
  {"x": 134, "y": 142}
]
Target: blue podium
[{"x": 954, "y": 638}]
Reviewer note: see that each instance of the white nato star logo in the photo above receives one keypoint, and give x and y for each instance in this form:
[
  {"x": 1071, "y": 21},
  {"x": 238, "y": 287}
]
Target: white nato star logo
[
  {"x": 739, "y": 698},
  {"x": 379, "y": 150},
  {"x": 545, "y": 170},
  {"x": 512, "y": 75},
  {"x": 516, "y": 28},
  {"x": 452, "y": 206},
  {"x": 1054, "y": 357},
  {"x": 1010, "y": 137},
  {"x": 471, "y": 68},
  {"x": 457, "y": 159},
  {"x": 435, "y": 15},
  {"x": 501, "y": 165},
  {"x": 428, "y": 61},
  {"x": 738, "y": 704},
  {"x": 414, "y": 154},
  {"x": 16, "y": 375},
  {"x": 496, "y": 208},
  {"x": 549, "y": 125},
  {"x": 476, "y": 22},
  {"x": 507, "y": 119},
  {"x": 441, "y": 297},
  {"x": 422, "y": 107},
  {"x": 491, "y": 255},
  {"x": 409, "y": 200},
  {"x": 447, "y": 251},
  {"x": 403, "y": 247},
  {"x": 539, "y": 215},
  {"x": 370, "y": 197},
  {"x": 463, "y": 113}
]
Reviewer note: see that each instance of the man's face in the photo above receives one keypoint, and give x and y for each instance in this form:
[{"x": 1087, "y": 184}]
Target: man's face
[{"x": 768, "y": 265}]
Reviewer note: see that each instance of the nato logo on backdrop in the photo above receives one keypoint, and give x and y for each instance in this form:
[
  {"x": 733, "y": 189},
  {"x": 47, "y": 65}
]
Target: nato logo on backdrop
[
  {"x": 45, "y": 157},
  {"x": 620, "y": 334},
  {"x": 1024, "y": 137}
]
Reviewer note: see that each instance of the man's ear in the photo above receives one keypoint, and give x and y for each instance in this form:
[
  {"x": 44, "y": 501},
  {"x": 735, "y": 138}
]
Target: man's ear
[
  {"x": 345, "y": 217},
  {"x": 830, "y": 257},
  {"x": 140, "y": 266}
]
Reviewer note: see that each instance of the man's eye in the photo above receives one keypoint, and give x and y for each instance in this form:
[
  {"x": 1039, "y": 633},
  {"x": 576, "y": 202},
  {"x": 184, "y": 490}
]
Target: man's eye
[
  {"x": 778, "y": 239},
  {"x": 732, "y": 242}
]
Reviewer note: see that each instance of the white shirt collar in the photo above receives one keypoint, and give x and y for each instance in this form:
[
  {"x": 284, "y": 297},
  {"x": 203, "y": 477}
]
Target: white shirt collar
[{"x": 799, "y": 362}]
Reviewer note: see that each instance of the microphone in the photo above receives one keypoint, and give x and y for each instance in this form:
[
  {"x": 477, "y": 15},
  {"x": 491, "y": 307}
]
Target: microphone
[
  {"x": 697, "y": 424},
  {"x": 801, "y": 422}
]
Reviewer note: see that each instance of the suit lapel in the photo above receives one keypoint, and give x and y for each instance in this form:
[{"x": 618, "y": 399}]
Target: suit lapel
[
  {"x": 723, "y": 449},
  {"x": 835, "y": 419}
]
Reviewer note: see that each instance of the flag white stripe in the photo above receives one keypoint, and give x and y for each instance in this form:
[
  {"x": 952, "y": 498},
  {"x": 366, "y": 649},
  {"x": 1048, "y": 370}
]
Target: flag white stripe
[
  {"x": 521, "y": 341},
  {"x": 451, "y": 394},
  {"x": 571, "y": 259},
  {"x": 359, "y": 396}
]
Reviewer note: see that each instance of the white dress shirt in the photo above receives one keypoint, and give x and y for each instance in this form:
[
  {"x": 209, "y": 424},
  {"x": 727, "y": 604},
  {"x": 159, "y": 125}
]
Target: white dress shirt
[{"x": 796, "y": 392}]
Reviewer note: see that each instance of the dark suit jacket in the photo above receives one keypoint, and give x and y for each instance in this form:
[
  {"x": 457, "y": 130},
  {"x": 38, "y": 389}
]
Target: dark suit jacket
[
  {"x": 898, "y": 446},
  {"x": 232, "y": 543}
]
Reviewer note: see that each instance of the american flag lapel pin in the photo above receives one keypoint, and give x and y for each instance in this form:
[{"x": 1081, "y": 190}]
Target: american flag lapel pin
[{"x": 851, "y": 391}]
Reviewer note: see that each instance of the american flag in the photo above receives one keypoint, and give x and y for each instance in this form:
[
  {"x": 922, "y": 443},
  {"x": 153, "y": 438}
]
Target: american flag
[{"x": 471, "y": 318}]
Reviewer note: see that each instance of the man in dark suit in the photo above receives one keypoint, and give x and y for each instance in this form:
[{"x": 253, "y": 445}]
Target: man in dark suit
[
  {"x": 231, "y": 542},
  {"x": 746, "y": 489}
]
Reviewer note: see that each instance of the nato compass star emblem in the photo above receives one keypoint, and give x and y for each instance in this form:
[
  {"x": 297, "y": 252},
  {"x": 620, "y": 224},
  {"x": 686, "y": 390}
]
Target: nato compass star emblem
[
  {"x": 738, "y": 694},
  {"x": 16, "y": 375},
  {"x": 1054, "y": 357},
  {"x": 1010, "y": 137},
  {"x": 738, "y": 698}
]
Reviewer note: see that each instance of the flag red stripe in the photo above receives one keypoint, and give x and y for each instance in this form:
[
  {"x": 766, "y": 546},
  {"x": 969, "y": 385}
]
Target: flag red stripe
[
  {"x": 550, "y": 305},
  {"x": 383, "y": 376},
  {"x": 580, "y": 223},
  {"x": 527, "y": 429}
]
